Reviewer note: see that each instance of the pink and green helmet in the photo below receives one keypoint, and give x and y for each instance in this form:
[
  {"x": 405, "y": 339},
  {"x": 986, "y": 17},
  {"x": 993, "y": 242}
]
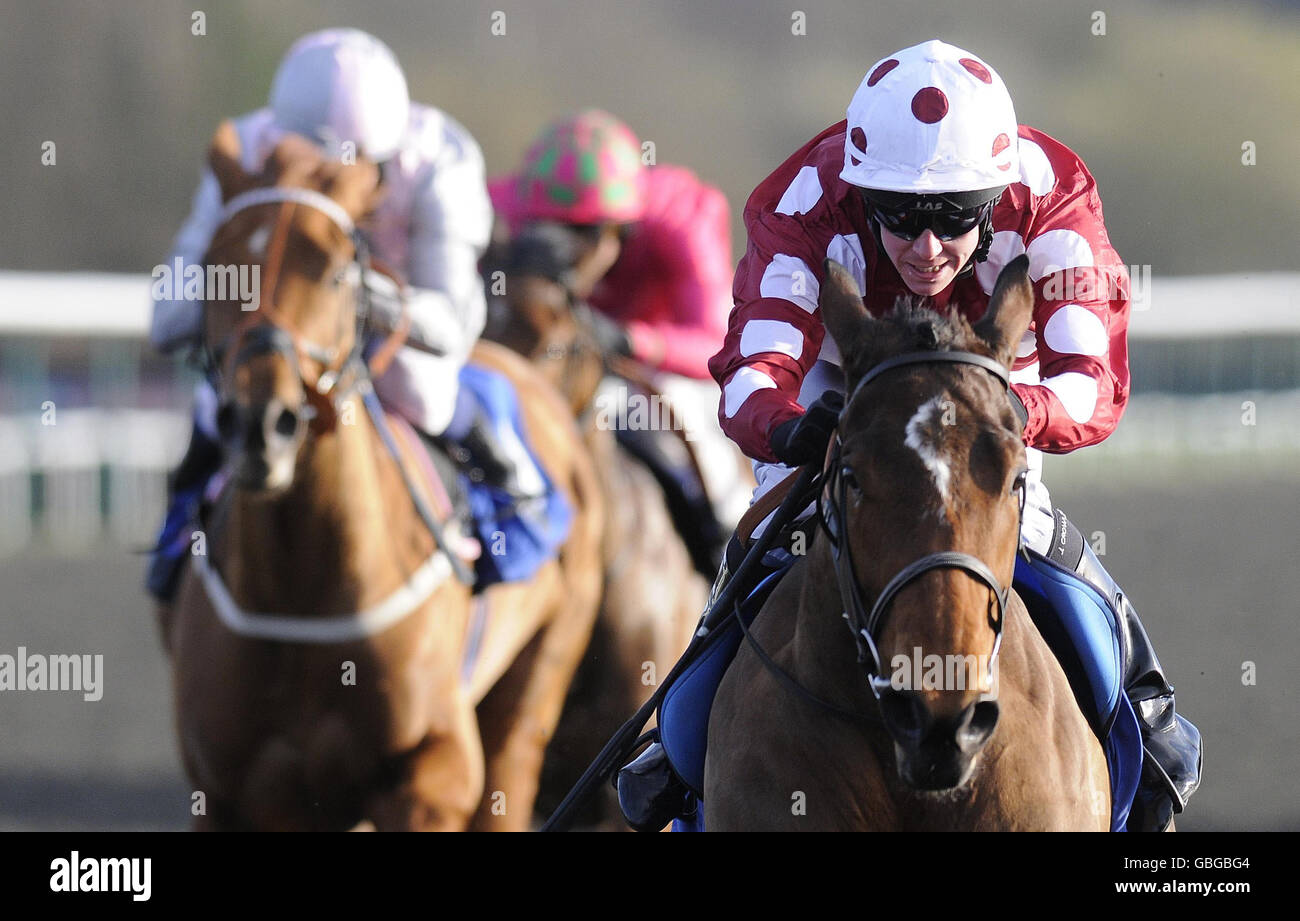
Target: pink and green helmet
[{"x": 583, "y": 169}]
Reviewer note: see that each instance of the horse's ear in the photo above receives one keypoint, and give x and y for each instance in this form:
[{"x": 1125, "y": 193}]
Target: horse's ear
[
  {"x": 1010, "y": 308},
  {"x": 223, "y": 158},
  {"x": 355, "y": 186},
  {"x": 843, "y": 312}
]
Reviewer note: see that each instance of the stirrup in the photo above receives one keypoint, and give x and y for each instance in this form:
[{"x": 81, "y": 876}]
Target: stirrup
[{"x": 649, "y": 793}]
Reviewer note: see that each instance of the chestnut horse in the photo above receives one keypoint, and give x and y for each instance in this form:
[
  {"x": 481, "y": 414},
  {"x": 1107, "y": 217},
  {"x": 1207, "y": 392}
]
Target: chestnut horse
[
  {"x": 653, "y": 595},
  {"x": 921, "y": 506},
  {"x": 350, "y": 699}
]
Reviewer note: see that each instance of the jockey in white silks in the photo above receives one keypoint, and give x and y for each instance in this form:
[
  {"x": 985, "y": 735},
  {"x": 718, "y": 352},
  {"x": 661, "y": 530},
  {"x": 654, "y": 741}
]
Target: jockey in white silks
[{"x": 339, "y": 87}]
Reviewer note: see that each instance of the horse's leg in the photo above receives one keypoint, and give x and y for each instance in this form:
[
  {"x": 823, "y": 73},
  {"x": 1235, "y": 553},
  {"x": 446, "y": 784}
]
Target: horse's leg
[
  {"x": 439, "y": 783},
  {"x": 519, "y": 715},
  {"x": 652, "y": 599},
  {"x": 163, "y": 615}
]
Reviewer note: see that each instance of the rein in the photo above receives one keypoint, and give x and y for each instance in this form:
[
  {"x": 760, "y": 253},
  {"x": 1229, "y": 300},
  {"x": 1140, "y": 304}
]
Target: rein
[{"x": 865, "y": 623}]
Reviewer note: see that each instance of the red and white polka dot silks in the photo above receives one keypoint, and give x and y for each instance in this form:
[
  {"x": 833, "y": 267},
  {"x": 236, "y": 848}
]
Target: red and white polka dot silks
[
  {"x": 1071, "y": 370},
  {"x": 931, "y": 118}
]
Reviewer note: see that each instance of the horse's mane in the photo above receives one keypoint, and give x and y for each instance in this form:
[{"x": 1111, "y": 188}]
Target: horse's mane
[
  {"x": 914, "y": 325},
  {"x": 917, "y": 325}
]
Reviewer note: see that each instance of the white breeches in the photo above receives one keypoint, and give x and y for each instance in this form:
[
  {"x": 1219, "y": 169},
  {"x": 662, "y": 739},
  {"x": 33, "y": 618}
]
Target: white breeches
[
  {"x": 421, "y": 388},
  {"x": 721, "y": 463}
]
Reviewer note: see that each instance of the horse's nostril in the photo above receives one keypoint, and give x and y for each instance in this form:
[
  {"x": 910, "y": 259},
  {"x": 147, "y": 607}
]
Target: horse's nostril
[
  {"x": 903, "y": 713},
  {"x": 981, "y": 720},
  {"x": 286, "y": 424},
  {"x": 985, "y": 716}
]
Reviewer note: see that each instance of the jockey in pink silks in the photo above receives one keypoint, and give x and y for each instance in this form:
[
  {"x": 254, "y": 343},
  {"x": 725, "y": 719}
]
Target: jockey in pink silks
[{"x": 647, "y": 248}]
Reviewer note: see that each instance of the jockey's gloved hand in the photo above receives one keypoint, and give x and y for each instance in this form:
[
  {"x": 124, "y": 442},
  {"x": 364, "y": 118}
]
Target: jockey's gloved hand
[
  {"x": 608, "y": 333},
  {"x": 546, "y": 249},
  {"x": 803, "y": 439}
]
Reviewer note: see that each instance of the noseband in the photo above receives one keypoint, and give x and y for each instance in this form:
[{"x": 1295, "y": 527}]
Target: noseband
[{"x": 864, "y": 623}]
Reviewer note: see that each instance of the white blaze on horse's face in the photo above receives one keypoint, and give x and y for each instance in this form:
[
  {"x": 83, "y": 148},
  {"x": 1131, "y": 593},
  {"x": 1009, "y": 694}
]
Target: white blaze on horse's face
[
  {"x": 281, "y": 445},
  {"x": 922, "y": 431}
]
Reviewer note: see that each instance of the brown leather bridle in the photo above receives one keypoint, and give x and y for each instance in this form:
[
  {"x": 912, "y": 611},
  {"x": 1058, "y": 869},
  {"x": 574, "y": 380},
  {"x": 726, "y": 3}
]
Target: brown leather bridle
[
  {"x": 866, "y": 623},
  {"x": 327, "y": 377},
  {"x": 266, "y": 331}
]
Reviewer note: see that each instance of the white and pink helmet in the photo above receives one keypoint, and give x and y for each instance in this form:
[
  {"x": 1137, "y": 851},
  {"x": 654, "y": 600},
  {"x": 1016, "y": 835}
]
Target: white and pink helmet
[
  {"x": 343, "y": 85},
  {"x": 931, "y": 119}
]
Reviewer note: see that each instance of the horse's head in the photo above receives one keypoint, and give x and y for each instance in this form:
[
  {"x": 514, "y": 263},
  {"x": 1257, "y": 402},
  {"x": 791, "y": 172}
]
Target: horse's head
[
  {"x": 538, "y": 320},
  {"x": 930, "y": 475},
  {"x": 280, "y": 358},
  {"x": 547, "y": 320}
]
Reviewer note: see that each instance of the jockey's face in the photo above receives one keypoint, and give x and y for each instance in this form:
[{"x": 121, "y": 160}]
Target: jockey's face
[
  {"x": 599, "y": 247},
  {"x": 928, "y": 264}
]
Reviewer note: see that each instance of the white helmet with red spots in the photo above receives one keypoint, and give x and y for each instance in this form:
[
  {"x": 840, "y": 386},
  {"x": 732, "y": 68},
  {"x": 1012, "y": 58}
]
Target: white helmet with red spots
[{"x": 931, "y": 119}]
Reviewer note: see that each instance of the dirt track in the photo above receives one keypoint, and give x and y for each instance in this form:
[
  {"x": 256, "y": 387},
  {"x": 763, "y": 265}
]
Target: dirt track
[{"x": 1209, "y": 561}]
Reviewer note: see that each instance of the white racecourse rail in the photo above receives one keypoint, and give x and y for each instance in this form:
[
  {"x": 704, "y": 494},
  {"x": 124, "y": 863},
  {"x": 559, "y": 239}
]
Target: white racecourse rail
[{"x": 100, "y": 473}]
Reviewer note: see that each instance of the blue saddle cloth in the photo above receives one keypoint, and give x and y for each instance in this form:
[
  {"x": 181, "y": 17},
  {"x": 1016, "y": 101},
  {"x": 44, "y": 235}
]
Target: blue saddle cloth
[
  {"x": 1075, "y": 620},
  {"x": 516, "y": 539},
  {"x": 1079, "y": 627}
]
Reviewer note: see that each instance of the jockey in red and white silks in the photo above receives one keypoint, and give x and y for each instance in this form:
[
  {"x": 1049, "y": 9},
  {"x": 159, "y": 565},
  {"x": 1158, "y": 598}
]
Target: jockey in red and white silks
[
  {"x": 432, "y": 224},
  {"x": 1071, "y": 370},
  {"x": 928, "y": 188}
]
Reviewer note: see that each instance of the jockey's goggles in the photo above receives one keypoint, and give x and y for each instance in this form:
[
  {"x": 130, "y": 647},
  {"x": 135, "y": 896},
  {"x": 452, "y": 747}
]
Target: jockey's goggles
[{"x": 909, "y": 216}]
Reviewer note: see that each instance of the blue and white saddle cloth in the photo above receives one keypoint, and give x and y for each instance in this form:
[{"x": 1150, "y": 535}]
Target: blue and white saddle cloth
[{"x": 517, "y": 538}]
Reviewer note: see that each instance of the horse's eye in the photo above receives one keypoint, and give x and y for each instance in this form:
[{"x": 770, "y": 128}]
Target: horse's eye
[
  {"x": 850, "y": 478},
  {"x": 1019, "y": 482}
]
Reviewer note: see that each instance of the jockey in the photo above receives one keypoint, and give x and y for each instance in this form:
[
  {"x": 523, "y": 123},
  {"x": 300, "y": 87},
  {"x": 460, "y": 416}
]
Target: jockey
[
  {"x": 343, "y": 86},
  {"x": 929, "y": 188},
  {"x": 649, "y": 249}
]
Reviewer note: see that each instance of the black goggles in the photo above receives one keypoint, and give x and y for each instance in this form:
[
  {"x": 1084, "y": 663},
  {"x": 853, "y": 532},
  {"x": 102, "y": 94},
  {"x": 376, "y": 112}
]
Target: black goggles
[{"x": 910, "y": 223}]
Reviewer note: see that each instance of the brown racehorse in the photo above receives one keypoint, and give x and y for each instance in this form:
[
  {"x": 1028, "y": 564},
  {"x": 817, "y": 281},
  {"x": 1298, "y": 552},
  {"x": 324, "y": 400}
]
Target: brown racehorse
[
  {"x": 653, "y": 595},
  {"x": 930, "y": 463},
  {"x": 355, "y": 704}
]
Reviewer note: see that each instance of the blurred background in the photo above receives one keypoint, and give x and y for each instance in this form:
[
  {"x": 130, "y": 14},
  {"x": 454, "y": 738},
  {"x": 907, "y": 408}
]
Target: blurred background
[{"x": 1186, "y": 113}]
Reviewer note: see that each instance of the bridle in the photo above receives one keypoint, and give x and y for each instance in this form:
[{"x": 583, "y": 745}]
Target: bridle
[
  {"x": 265, "y": 330},
  {"x": 865, "y": 623}
]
